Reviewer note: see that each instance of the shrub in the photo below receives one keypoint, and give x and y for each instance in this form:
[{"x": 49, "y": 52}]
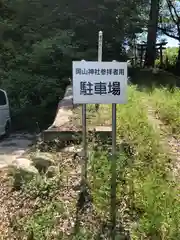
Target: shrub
[{"x": 33, "y": 98}]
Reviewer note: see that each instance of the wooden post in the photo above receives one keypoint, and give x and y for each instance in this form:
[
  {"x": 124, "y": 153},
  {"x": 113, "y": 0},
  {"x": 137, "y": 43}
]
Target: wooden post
[
  {"x": 135, "y": 55},
  {"x": 141, "y": 55},
  {"x": 161, "y": 56}
]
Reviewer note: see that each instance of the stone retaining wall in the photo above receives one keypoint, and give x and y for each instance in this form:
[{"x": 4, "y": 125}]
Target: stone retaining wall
[{"x": 64, "y": 111}]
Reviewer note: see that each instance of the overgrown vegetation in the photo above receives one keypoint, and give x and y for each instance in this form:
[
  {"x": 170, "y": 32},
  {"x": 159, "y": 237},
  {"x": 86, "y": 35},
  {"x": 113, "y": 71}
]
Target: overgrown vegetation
[
  {"x": 170, "y": 56},
  {"x": 39, "y": 40},
  {"x": 167, "y": 104},
  {"x": 152, "y": 189},
  {"x": 148, "y": 204}
]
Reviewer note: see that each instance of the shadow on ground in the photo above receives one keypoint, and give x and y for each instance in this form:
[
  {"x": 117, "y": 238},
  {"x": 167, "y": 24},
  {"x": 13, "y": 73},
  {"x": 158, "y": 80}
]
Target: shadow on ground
[
  {"x": 114, "y": 226},
  {"x": 86, "y": 213},
  {"x": 146, "y": 80}
]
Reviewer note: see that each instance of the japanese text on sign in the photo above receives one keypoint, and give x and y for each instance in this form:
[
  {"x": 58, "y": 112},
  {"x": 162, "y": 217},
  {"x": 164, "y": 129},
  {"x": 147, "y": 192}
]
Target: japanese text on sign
[
  {"x": 99, "y": 82},
  {"x": 98, "y": 71},
  {"x": 89, "y": 88}
]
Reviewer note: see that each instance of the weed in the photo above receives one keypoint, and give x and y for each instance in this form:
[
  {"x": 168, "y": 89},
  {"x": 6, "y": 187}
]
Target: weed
[
  {"x": 167, "y": 105},
  {"x": 42, "y": 187},
  {"x": 147, "y": 199},
  {"x": 43, "y": 223}
]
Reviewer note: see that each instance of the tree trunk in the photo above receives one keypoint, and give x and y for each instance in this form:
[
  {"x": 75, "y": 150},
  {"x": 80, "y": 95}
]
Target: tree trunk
[{"x": 152, "y": 34}]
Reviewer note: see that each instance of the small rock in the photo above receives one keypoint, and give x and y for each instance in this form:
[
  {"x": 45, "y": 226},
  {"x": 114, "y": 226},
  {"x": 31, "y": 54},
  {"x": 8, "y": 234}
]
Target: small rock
[
  {"x": 21, "y": 173},
  {"x": 51, "y": 171},
  {"x": 76, "y": 149},
  {"x": 155, "y": 70},
  {"x": 25, "y": 164},
  {"x": 42, "y": 161}
]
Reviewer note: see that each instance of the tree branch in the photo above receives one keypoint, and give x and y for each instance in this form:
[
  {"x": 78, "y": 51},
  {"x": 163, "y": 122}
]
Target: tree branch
[
  {"x": 174, "y": 9},
  {"x": 164, "y": 31},
  {"x": 170, "y": 6}
]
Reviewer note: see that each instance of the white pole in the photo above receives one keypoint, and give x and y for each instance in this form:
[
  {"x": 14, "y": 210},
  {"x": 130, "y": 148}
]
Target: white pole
[{"x": 100, "y": 43}]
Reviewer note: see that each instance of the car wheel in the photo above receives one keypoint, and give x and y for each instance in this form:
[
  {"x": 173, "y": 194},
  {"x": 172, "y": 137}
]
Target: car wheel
[{"x": 7, "y": 129}]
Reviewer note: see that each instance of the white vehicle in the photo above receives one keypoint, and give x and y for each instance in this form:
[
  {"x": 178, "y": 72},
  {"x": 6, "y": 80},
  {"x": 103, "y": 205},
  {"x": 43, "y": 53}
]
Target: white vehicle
[{"x": 5, "y": 120}]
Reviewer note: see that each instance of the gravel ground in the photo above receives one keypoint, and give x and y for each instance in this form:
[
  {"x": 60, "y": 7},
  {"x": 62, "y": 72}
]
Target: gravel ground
[
  {"x": 13, "y": 147},
  {"x": 17, "y": 204}
]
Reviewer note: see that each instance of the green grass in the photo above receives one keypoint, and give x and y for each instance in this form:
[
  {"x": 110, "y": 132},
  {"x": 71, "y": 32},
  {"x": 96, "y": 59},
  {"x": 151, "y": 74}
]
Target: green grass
[
  {"x": 44, "y": 221},
  {"x": 148, "y": 202},
  {"x": 144, "y": 187},
  {"x": 93, "y": 117},
  {"x": 49, "y": 203},
  {"x": 167, "y": 106}
]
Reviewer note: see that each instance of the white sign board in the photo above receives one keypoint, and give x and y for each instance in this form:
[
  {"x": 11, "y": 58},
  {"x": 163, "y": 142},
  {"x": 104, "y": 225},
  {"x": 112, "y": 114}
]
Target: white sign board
[{"x": 99, "y": 82}]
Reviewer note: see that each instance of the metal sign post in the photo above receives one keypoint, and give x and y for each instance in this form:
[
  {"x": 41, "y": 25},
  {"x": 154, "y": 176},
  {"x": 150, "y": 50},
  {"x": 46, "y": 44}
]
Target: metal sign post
[
  {"x": 101, "y": 83},
  {"x": 84, "y": 145},
  {"x": 113, "y": 173},
  {"x": 100, "y": 43},
  {"x": 84, "y": 133}
]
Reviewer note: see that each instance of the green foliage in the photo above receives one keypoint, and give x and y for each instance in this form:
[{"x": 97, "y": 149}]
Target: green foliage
[
  {"x": 33, "y": 98},
  {"x": 167, "y": 105},
  {"x": 170, "y": 56},
  {"x": 41, "y": 187},
  {"x": 149, "y": 196},
  {"x": 157, "y": 198},
  {"x": 42, "y": 223},
  {"x": 39, "y": 40},
  {"x": 171, "y": 53},
  {"x": 148, "y": 204}
]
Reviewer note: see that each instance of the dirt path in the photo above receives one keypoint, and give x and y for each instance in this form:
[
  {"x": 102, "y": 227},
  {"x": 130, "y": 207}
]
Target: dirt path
[
  {"x": 169, "y": 142},
  {"x": 13, "y": 147}
]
